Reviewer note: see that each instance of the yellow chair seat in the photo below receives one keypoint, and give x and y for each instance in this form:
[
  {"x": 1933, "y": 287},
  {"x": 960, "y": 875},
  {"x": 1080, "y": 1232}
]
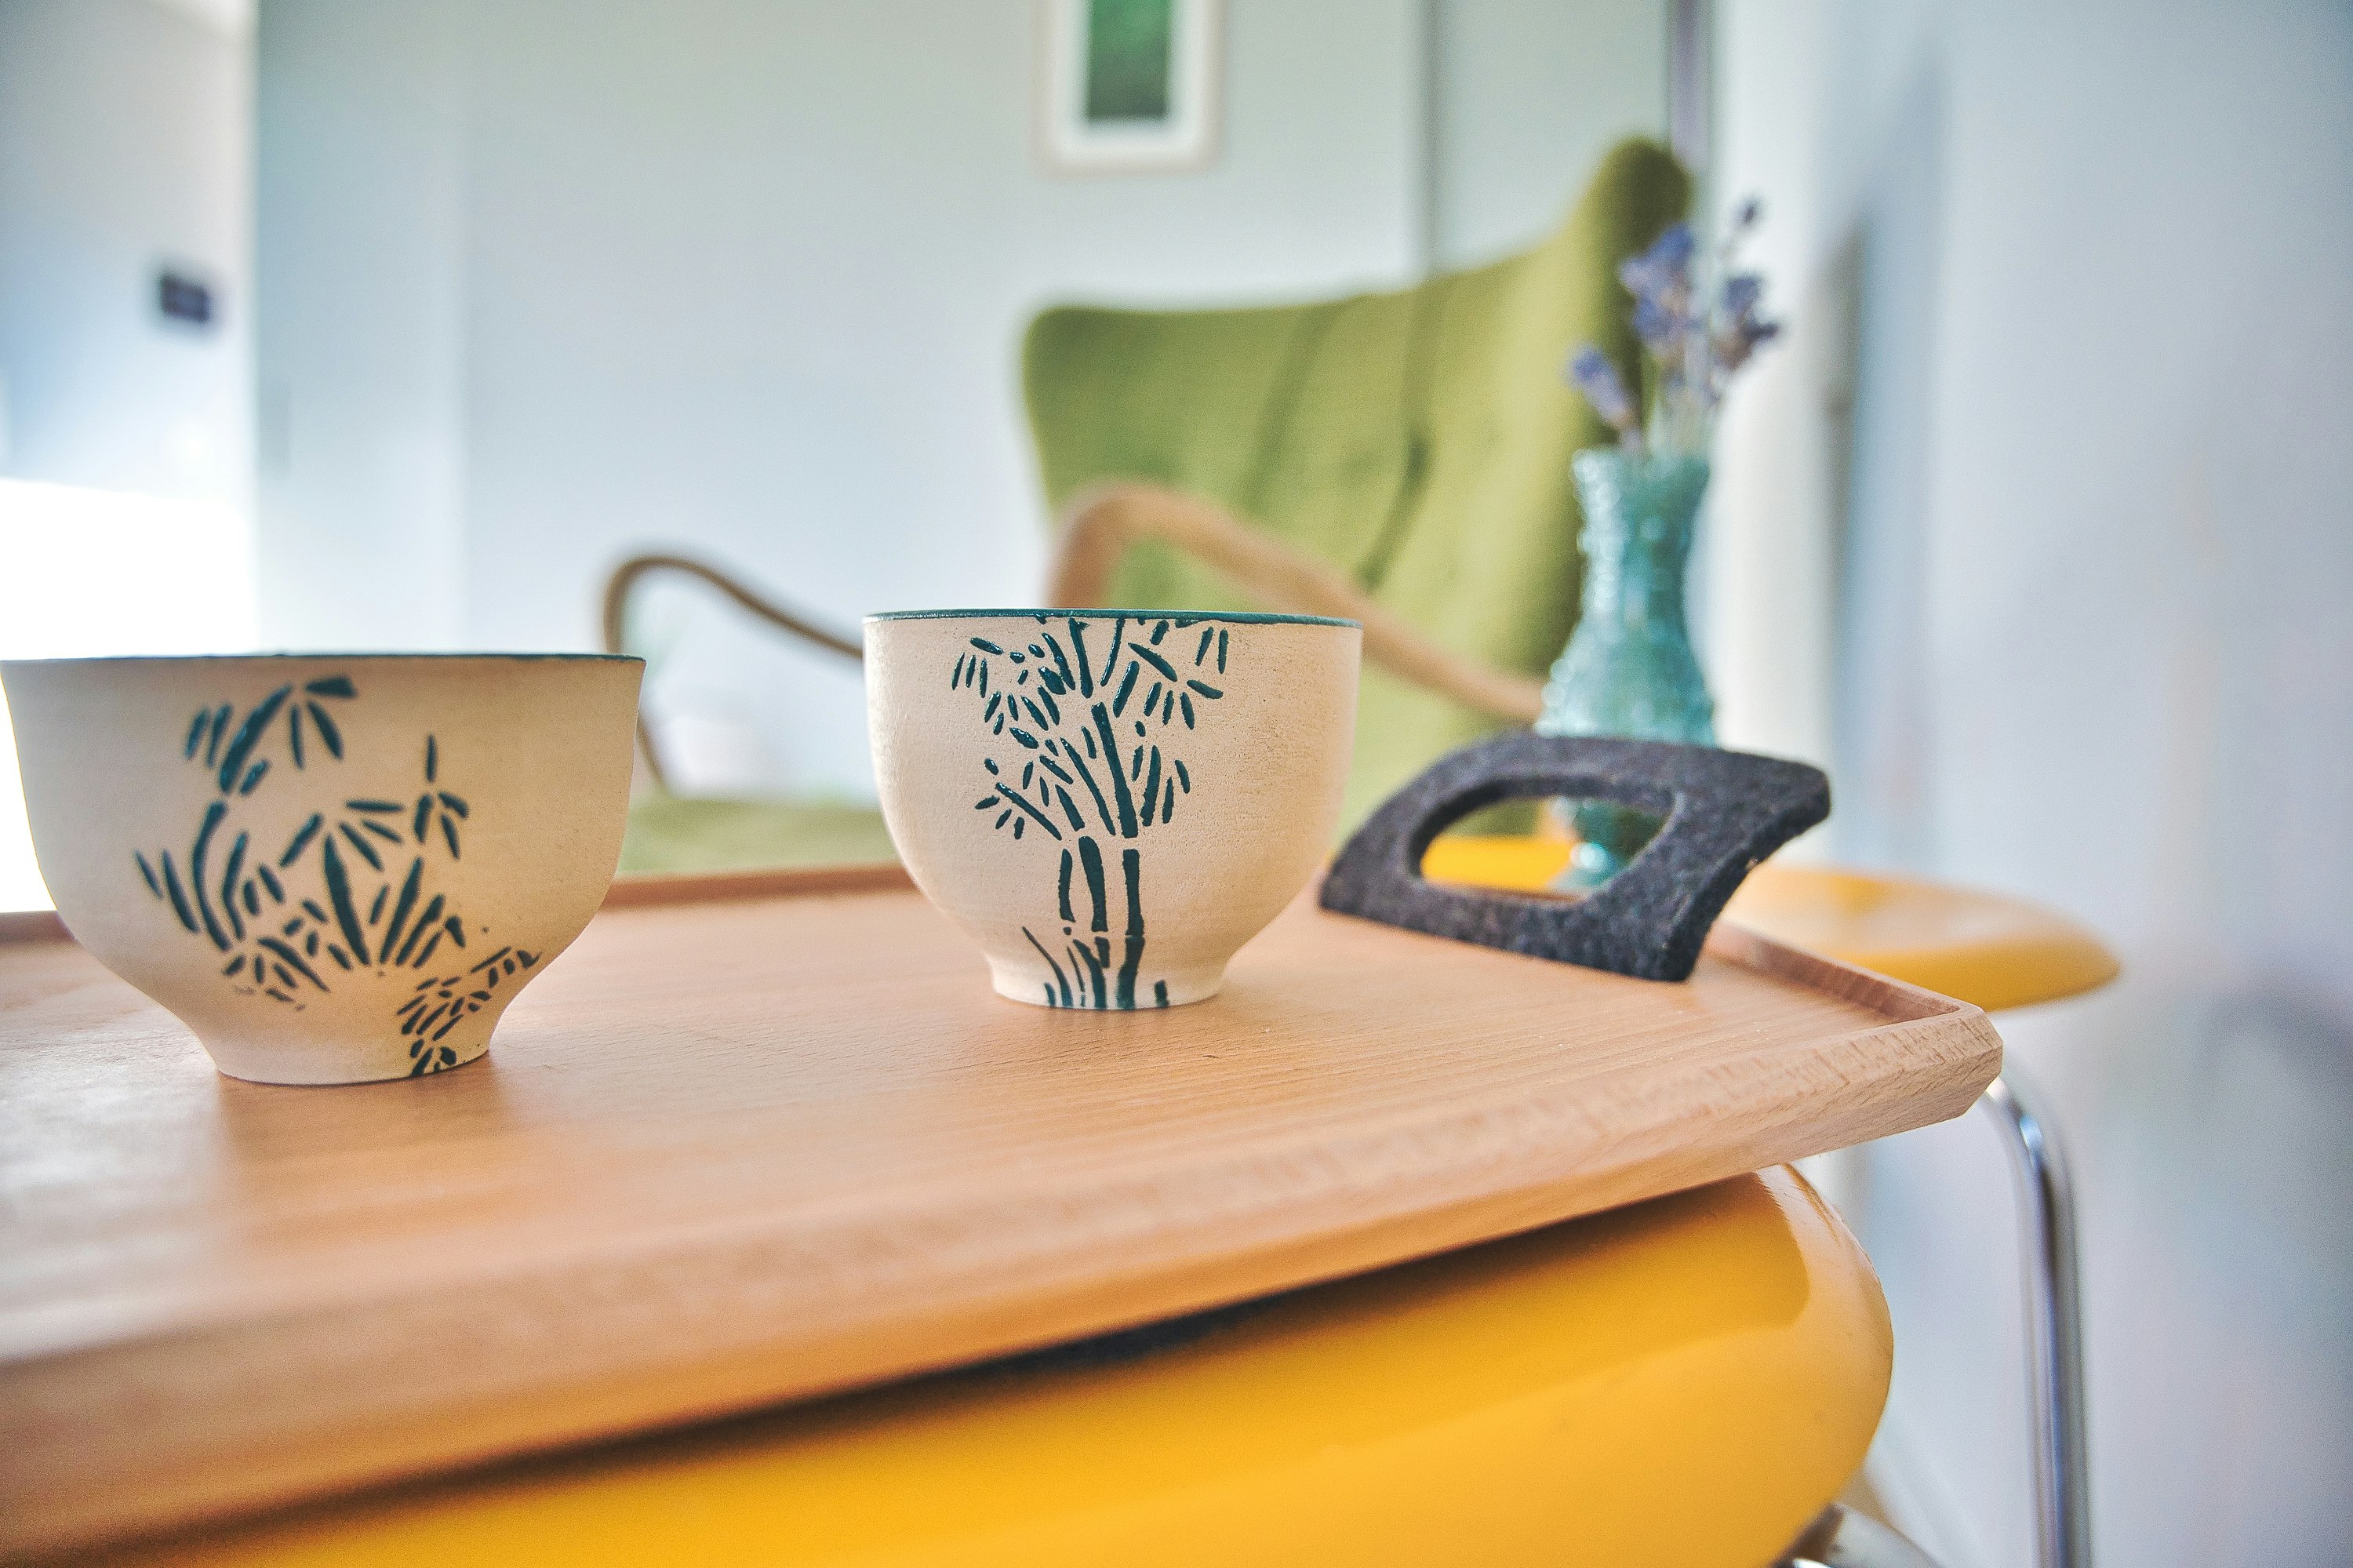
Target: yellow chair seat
[
  {"x": 1683, "y": 1384},
  {"x": 1980, "y": 947}
]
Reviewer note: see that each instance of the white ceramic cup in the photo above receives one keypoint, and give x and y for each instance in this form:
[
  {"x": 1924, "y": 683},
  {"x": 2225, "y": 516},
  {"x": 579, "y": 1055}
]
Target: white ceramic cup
[
  {"x": 1111, "y": 802},
  {"x": 334, "y": 869}
]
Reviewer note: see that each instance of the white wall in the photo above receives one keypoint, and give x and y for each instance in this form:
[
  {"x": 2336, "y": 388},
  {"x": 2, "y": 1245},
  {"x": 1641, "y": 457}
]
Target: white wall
[
  {"x": 360, "y": 257},
  {"x": 2095, "y": 638},
  {"x": 123, "y": 146},
  {"x": 1530, "y": 94},
  {"x": 545, "y": 282},
  {"x": 124, "y": 436}
]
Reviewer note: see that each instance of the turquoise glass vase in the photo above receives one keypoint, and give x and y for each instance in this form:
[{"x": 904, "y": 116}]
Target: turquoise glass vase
[{"x": 1629, "y": 669}]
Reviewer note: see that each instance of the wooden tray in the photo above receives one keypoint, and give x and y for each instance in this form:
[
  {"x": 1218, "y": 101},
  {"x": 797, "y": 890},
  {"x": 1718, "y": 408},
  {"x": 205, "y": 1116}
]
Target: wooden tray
[{"x": 756, "y": 1139}]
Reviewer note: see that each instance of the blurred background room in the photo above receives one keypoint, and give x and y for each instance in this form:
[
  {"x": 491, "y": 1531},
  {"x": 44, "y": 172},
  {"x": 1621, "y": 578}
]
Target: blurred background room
[{"x": 400, "y": 326}]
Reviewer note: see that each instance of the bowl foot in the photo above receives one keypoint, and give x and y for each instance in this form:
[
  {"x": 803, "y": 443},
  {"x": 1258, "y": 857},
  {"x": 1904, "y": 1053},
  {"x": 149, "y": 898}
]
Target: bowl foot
[
  {"x": 1087, "y": 991},
  {"x": 319, "y": 1066}
]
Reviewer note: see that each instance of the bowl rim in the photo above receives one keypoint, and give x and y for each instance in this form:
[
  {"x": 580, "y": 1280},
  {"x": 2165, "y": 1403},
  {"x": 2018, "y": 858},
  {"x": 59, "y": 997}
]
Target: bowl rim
[{"x": 1182, "y": 616}]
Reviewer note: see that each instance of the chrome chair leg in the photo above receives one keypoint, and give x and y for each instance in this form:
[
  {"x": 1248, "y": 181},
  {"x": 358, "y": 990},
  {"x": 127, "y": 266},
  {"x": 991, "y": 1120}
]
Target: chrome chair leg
[
  {"x": 2046, "y": 1207},
  {"x": 2054, "y": 1336},
  {"x": 1843, "y": 1538}
]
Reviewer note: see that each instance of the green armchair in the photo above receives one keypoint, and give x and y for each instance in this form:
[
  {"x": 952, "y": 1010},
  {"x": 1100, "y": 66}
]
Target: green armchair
[{"x": 1399, "y": 458}]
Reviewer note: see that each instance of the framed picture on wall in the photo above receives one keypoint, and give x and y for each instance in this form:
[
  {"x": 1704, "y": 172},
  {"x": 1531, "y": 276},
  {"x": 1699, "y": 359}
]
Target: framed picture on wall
[{"x": 1129, "y": 86}]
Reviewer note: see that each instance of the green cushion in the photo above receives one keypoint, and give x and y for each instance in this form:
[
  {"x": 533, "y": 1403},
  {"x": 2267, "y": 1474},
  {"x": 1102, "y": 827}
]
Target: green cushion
[
  {"x": 1419, "y": 440},
  {"x": 673, "y": 833}
]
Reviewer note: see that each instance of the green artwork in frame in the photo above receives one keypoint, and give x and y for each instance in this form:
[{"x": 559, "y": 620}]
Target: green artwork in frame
[
  {"x": 1130, "y": 46},
  {"x": 1128, "y": 86}
]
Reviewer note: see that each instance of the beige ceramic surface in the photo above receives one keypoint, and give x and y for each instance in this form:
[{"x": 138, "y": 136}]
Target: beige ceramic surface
[
  {"x": 1110, "y": 802},
  {"x": 332, "y": 869}
]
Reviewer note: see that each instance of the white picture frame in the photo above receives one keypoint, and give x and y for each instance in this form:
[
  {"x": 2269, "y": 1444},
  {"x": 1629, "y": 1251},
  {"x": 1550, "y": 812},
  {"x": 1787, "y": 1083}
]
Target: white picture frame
[{"x": 1145, "y": 102}]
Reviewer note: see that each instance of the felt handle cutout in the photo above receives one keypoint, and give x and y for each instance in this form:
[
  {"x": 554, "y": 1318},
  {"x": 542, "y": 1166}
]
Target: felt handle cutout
[{"x": 1724, "y": 810}]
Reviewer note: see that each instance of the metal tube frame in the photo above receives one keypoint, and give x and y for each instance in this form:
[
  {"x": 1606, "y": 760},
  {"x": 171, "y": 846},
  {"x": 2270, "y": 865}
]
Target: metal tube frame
[
  {"x": 2055, "y": 1345},
  {"x": 1843, "y": 1538},
  {"x": 2054, "y": 1329}
]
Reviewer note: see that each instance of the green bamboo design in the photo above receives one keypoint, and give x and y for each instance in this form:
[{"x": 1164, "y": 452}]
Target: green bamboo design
[
  {"x": 439, "y": 1003},
  {"x": 369, "y": 909},
  {"x": 1092, "y": 730}
]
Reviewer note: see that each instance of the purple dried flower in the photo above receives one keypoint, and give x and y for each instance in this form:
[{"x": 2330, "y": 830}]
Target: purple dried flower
[
  {"x": 1696, "y": 333},
  {"x": 1739, "y": 329},
  {"x": 1591, "y": 373},
  {"x": 1739, "y": 340},
  {"x": 1675, "y": 248},
  {"x": 1664, "y": 272},
  {"x": 1659, "y": 326}
]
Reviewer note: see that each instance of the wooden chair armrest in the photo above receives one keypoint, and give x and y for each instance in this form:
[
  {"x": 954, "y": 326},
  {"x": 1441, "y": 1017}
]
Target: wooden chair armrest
[
  {"x": 625, "y": 577},
  {"x": 1099, "y": 527},
  {"x": 1100, "y": 524}
]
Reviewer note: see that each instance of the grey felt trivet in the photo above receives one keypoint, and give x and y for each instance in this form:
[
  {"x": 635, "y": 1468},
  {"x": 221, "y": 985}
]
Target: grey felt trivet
[{"x": 1725, "y": 810}]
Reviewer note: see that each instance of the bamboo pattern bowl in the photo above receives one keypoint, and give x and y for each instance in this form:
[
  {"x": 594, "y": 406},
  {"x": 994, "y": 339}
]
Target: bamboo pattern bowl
[
  {"x": 333, "y": 869},
  {"x": 1110, "y": 802}
]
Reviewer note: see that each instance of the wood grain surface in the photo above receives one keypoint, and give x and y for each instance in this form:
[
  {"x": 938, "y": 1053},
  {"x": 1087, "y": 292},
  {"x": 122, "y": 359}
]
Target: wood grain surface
[{"x": 732, "y": 1150}]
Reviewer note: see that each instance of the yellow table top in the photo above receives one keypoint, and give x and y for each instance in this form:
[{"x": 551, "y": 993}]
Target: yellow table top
[
  {"x": 1980, "y": 947},
  {"x": 1682, "y": 1383}
]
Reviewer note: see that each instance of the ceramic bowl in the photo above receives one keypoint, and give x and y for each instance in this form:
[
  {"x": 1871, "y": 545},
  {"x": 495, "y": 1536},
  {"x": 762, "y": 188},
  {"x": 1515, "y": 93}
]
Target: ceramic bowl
[
  {"x": 332, "y": 869},
  {"x": 1109, "y": 801}
]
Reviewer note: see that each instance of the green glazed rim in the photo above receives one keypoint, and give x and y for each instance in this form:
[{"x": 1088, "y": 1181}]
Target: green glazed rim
[{"x": 1187, "y": 617}]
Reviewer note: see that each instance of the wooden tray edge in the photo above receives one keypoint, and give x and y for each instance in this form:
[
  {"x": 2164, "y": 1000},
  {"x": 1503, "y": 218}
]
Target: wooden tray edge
[
  {"x": 647, "y": 891},
  {"x": 1899, "y": 1001},
  {"x": 633, "y": 891},
  {"x": 1728, "y": 940},
  {"x": 32, "y": 925}
]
